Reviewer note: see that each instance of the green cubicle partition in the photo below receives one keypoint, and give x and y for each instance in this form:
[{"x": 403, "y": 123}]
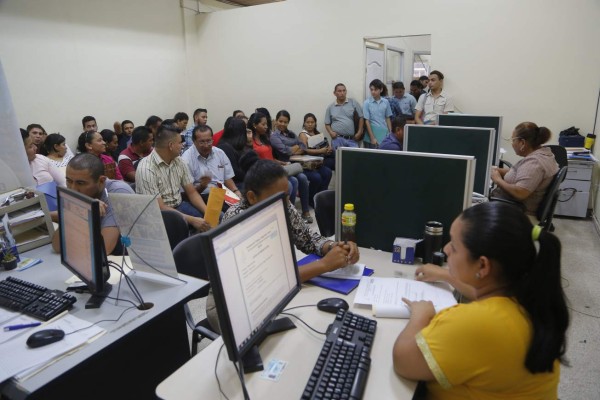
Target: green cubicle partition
[
  {"x": 476, "y": 121},
  {"x": 396, "y": 193},
  {"x": 476, "y": 142}
]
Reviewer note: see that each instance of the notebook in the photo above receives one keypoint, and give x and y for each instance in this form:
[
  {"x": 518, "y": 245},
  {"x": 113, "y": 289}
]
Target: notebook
[{"x": 343, "y": 286}]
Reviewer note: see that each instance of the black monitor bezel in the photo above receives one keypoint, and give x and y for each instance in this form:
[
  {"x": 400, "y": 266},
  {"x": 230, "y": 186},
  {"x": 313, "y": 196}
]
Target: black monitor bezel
[
  {"x": 215, "y": 280},
  {"x": 97, "y": 284}
]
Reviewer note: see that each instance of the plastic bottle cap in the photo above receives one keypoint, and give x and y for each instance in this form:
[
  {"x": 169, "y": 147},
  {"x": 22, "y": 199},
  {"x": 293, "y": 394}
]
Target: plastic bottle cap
[{"x": 349, "y": 207}]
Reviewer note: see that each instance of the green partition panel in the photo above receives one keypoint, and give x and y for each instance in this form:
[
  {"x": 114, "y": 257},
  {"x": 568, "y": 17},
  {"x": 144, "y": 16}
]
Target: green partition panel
[
  {"x": 476, "y": 121},
  {"x": 476, "y": 142},
  {"x": 396, "y": 193}
]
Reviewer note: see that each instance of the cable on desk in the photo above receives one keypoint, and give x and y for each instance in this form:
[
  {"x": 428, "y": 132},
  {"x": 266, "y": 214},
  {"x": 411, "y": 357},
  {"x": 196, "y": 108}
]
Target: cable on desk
[
  {"x": 105, "y": 320},
  {"x": 130, "y": 283},
  {"x": 307, "y": 325},
  {"x": 217, "y": 375},
  {"x": 293, "y": 308}
]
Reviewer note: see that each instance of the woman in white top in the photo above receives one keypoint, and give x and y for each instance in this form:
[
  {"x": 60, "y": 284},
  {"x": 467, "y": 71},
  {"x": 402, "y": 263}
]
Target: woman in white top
[
  {"x": 42, "y": 168},
  {"x": 55, "y": 148}
]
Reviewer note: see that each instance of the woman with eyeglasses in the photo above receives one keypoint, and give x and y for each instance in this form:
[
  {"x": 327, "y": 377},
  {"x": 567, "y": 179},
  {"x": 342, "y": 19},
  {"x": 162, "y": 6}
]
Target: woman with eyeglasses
[
  {"x": 527, "y": 181},
  {"x": 92, "y": 142}
]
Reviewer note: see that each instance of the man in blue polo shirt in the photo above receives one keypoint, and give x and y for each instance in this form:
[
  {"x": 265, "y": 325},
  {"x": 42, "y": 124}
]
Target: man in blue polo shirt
[
  {"x": 394, "y": 139},
  {"x": 402, "y": 103}
]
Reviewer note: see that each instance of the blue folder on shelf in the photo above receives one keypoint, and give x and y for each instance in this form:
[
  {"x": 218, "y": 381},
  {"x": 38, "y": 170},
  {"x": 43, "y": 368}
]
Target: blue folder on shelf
[{"x": 343, "y": 286}]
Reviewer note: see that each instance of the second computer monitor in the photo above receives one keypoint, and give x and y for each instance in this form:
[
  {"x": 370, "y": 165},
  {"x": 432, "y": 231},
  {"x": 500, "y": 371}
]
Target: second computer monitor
[{"x": 253, "y": 273}]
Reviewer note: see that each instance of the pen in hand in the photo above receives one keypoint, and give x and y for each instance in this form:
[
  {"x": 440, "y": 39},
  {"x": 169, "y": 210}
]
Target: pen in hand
[{"x": 21, "y": 326}]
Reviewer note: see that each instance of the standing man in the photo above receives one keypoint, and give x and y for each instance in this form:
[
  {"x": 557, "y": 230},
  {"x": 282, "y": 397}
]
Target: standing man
[
  {"x": 424, "y": 79},
  {"x": 200, "y": 118},
  {"x": 209, "y": 165},
  {"x": 339, "y": 119},
  {"x": 126, "y": 128},
  {"x": 164, "y": 173},
  {"x": 435, "y": 102},
  {"x": 142, "y": 141},
  {"x": 85, "y": 174},
  {"x": 416, "y": 89},
  {"x": 402, "y": 103}
]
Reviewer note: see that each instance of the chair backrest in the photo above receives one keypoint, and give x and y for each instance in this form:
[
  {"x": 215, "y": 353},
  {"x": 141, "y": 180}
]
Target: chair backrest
[
  {"x": 189, "y": 261},
  {"x": 545, "y": 210},
  {"x": 176, "y": 226},
  {"x": 560, "y": 154},
  {"x": 325, "y": 212}
]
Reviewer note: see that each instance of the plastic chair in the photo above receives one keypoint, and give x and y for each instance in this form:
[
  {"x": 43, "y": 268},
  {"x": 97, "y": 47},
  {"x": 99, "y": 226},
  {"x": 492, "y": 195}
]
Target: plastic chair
[
  {"x": 325, "y": 212},
  {"x": 190, "y": 261}
]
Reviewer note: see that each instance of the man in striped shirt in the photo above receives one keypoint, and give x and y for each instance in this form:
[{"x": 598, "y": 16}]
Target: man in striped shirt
[{"x": 164, "y": 172}]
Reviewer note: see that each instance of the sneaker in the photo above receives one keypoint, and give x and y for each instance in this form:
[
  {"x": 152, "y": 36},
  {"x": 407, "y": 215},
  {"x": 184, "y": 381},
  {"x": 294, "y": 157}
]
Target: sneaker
[{"x": 306, "y": 217}]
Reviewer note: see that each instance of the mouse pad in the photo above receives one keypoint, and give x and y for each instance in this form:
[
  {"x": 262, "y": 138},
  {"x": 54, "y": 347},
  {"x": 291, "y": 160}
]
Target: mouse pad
[{"x": 343, "y": 286}]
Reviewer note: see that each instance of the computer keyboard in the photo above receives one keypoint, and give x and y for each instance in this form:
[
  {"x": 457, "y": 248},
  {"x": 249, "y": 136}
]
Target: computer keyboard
[
  {"x": 342, "y": 369},
  {"x": 34, "y": 300}
]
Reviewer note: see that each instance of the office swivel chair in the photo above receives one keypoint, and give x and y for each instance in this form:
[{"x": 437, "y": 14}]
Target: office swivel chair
[
  {"x": 545, "y": 210},
  {"x": 189, "y": 261},
  {"x": 560, "y": 155},
  {"x": 325, "y": 212}
]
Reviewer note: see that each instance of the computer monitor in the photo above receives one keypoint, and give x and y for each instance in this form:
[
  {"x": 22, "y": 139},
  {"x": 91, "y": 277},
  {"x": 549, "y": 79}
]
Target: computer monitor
[
  {"x": 253, "y": 273},
  {"x": 81, "y": 246}
]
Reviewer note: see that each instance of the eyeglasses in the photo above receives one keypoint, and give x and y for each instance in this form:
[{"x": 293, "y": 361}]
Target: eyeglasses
[{"x": 205, "y": 142}]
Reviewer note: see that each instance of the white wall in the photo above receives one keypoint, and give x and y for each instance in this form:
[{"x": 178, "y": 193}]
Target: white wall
[
  {"x": 112, "y": 59},
  {"x": 523, "y": 60}
]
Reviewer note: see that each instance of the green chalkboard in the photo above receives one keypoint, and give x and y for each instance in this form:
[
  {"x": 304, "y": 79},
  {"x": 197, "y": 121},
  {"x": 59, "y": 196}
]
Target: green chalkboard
[
  {"x": 476, "y": 142},
  {"x": 476, "y": 121},
  {"x": 395, "y": 193}
]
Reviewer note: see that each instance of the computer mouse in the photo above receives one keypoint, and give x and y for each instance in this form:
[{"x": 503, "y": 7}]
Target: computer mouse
[
  {"x": 332, "y": 305},
  {"x": 44, "y": 337}
]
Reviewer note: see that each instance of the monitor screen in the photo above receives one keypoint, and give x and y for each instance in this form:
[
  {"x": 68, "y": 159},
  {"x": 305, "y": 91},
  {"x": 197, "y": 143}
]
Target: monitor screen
[
  {"x": 81, "y": 245},
  {"x": 253, "y": 273}
]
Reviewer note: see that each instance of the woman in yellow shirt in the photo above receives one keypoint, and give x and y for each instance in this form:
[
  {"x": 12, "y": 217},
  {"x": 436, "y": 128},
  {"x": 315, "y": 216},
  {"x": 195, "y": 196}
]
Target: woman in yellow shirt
[{"x": 509, "y": 342}]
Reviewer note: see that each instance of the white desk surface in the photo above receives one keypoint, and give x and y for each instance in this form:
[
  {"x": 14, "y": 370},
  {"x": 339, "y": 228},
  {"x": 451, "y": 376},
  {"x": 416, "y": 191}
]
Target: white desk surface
[
  {"x": 52, "y": 274},
  {"x": 300, "y": 348}
]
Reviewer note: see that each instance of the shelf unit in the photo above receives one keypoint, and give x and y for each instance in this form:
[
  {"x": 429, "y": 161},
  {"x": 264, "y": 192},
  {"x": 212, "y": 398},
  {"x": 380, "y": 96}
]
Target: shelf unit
[{"x": 31, "y": 234}]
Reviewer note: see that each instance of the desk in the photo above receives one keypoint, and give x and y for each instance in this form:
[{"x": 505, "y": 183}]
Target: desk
[
  {"x": 130, "y": 359},
  {"x": 300, "y": 348}
]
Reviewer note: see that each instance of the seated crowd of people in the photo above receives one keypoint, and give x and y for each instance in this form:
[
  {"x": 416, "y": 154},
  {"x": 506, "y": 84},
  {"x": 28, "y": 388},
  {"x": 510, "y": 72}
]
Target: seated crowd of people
[{"x": 254, "y": 156}]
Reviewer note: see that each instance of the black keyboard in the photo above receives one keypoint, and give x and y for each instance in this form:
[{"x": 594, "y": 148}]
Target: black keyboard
[
  {"x": 342, "y": 369},
  {"x": 34, "y": 300}
]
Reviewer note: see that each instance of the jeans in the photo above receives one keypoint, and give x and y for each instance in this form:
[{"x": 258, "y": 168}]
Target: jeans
[
  {"x": 304, "y": 191},
  {"x": 189, "y": 209},
  {"x": 341, "y": 141},
  {"x": 319, "y": 180},
  {"x": 292, "y": 188}
]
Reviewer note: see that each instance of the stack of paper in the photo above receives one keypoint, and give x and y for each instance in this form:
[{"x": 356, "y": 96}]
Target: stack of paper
[
  {"x": 21, "y": 362},
  {"x": 384, "y": 295}
]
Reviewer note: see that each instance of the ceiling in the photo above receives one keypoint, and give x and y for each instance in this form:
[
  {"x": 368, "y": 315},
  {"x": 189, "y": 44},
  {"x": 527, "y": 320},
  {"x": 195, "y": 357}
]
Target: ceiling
[{"x": 246, "y": 3}]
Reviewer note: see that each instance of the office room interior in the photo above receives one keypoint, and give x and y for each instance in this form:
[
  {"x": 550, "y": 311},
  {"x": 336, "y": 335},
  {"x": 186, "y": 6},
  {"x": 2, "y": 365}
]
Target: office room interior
[{"x": 524, "y": 60}]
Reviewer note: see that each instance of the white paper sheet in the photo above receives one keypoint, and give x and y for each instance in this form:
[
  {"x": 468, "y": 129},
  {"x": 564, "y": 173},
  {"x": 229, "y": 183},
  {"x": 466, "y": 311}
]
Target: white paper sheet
[
  {"x": 20, "y": 361},
  {"x": 384, "y": 295},
  {"x": 354, "y": 271}
]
